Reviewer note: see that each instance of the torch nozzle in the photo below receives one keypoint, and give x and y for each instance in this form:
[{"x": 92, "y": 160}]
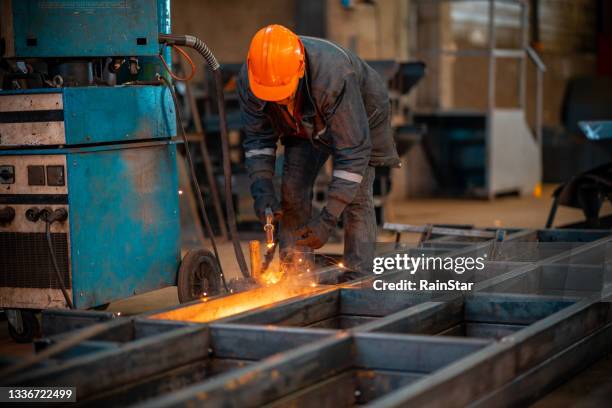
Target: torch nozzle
[{"x": 269, "y": 228}]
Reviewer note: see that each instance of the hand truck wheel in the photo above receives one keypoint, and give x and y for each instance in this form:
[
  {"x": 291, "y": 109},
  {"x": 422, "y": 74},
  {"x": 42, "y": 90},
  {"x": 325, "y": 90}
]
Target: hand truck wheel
[
  {"x": 23, "y": 325},
  {"x": 198, "y": 276}
]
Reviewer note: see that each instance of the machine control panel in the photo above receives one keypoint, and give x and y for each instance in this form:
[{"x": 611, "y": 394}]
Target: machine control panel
[
  {"x": 53, "y": 175},
  {"x": 40, "y": 175},
  {"x": 32, "y": 181},
  {"x": 33, "y": 199}
]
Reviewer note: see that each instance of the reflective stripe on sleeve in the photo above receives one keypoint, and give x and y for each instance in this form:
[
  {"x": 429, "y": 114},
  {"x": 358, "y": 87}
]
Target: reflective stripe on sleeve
[
  {"x": 347, "y": 175},
  {"x": 269, "y": 151}
]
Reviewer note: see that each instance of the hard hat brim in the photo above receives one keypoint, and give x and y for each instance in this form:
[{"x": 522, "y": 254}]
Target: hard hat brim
[{"x": 273, "y": 93}]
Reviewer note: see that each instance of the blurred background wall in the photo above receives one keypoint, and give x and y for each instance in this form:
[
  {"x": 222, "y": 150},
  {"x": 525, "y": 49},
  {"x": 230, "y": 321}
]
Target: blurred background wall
[
  {"x": 571, "y": 36},
  {"x": 566, "y": 39}
]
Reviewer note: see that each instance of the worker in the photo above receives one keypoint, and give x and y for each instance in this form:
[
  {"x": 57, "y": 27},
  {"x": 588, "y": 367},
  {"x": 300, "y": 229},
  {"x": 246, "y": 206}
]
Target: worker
[{"x": 319, "y": 100}]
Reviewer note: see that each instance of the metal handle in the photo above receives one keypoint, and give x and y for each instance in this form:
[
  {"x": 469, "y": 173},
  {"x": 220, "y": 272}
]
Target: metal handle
[{"x": 269, "y": 227}]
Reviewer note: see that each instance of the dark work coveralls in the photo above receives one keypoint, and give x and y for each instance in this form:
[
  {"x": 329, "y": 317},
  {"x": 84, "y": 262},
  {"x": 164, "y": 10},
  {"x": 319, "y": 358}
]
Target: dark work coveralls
[{"x": 341, "y": 109}]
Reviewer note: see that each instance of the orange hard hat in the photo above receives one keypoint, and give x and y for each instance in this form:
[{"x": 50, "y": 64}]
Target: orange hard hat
[{"x": 275, "y": 63}]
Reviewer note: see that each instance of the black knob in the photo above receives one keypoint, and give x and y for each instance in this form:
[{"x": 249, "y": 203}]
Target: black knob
[
  {"x": 32, "y": 214},
  {"x": 52, "y": 216},
  {"x": 7, "y": 215},
  {"x": 60, "y": 215},
  {"x": 45, "y": 213},
  {"x": 7, "y": 174}
]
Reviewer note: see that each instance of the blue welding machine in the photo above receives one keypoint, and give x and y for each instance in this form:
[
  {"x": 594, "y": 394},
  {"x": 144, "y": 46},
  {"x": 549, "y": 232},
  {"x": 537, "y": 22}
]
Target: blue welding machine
[{"x": 88, "y": 174}]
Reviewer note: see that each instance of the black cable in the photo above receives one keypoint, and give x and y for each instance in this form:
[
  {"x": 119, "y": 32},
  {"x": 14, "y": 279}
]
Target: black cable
[
  {"x": 194, "y": 179},
  {"x": 55, "y": 265},
  {"x": 213, "y": 64},
  {"x": 227, "y": 170}
]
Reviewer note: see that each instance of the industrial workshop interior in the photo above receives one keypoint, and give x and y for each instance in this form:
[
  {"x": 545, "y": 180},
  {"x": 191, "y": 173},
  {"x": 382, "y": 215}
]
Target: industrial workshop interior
[{"x": 306, "y": 203}]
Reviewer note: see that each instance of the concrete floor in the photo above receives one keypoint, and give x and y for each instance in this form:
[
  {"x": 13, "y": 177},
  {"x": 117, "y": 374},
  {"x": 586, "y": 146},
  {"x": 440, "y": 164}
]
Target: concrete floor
[
  {"x": 511, "y": 211},
  {"x": 590, "y": 388}
]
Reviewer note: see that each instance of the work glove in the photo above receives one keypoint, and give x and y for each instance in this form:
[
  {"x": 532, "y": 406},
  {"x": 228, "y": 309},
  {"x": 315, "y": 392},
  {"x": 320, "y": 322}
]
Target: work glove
[
  {"x": 317, "y": 231},
  {"x": 264, "y": 196}
]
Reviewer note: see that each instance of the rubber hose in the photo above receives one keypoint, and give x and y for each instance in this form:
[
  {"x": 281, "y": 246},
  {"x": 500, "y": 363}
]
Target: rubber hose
[
  {"x": 203, "y": 49},
  {"x": 213, "y": 64},
  {"x": 192, "y": 42}
]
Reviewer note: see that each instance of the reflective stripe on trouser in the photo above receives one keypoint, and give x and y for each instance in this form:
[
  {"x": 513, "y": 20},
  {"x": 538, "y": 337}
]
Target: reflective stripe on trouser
[
  {"x": 302, "y": 163},
  {"x": 268, "y": 151},
  {"x": 347, "y": 175}
]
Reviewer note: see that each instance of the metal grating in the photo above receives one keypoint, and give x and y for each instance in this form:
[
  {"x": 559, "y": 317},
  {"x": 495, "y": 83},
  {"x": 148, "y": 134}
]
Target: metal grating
[
  {"x": 534, "y": 321},
  {"x": 25, "y": 261}
]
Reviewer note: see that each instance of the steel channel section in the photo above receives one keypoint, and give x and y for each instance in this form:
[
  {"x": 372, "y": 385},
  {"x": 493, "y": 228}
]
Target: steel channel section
[
  {"x": 428, "y": 315},
  {"x": 558, "y": 318},
  {"x": 552, "y": 372},
  {"x": 58, "y": 321},
  {"x": 310, "y": 364},
  {"x": 547, "y": 337},
  {"x": 339, "y": 308},
  {"x": 485, "y": 372},
  {"x": 231, "y": 349},
  {"x": 539, "y": 330},
  {"x": 146, "y": 355},
  {"x": 519, "y": 346}
]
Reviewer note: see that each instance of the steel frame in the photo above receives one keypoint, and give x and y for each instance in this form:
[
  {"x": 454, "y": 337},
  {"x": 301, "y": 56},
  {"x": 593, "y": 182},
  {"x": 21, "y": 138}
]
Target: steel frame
[{"x": 536, "y": 317}]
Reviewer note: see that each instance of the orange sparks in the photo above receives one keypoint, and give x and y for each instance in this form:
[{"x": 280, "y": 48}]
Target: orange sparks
[
  {"x": 271, "y": 277},
  {"x": 278, "y": 283},
  {"x": 214, "y": 309}
]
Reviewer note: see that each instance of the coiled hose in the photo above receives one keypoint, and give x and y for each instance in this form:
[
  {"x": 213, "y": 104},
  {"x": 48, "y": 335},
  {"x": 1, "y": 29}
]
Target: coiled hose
[
  {"x": 213, "y": 64},
  {"x": 192, "y": 42}
]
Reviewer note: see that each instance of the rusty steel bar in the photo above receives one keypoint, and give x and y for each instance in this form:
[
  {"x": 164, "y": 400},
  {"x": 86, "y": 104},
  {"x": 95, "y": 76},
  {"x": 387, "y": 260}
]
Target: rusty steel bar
[
  {"x": 255, "y": 258},
  {"x": 459, "y": 232}
]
